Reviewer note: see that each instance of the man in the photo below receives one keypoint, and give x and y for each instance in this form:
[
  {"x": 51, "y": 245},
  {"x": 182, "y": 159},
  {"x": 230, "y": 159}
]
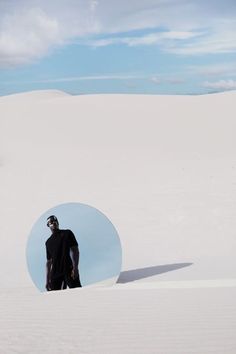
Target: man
[{"x": 62, "y": 258}]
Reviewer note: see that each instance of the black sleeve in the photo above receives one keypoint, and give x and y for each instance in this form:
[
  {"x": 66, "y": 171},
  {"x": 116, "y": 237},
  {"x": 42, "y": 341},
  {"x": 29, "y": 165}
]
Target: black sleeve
[{"x": 71, "y": 239}]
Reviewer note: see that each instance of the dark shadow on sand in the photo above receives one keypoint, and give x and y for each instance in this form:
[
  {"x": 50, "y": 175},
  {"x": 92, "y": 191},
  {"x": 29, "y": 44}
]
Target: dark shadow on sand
[{"x": 136, "y": 274}]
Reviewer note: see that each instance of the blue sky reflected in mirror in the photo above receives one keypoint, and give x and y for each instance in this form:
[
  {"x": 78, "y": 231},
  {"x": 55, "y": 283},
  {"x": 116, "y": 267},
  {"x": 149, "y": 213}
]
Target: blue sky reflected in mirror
[{"x": 99, "y": 244}]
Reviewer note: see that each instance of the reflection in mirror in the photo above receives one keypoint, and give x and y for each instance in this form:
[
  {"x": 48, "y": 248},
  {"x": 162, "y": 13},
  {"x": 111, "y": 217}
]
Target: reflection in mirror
[{"x": 73, "y": 245}]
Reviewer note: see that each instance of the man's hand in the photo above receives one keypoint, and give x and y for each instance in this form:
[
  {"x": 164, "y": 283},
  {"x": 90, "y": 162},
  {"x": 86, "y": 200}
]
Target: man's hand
[
  {"x": 48, "y": 272},
  {"x": 75, "y": 273}
]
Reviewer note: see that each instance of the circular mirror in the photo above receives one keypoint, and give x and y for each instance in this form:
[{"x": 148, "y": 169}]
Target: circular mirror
[{"x": 75, "y": 233}]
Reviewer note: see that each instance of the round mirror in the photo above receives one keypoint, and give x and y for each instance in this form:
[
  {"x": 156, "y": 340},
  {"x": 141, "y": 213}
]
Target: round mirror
[{"x": 73, "y": 245}]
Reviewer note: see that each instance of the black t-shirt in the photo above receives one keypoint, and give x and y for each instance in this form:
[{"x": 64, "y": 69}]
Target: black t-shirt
[{"x": 58, "y": 250}]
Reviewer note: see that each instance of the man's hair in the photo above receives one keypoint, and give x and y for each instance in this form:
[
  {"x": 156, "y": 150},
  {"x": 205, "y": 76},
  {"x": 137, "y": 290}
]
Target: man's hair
[{"x": 51, "y": 218}]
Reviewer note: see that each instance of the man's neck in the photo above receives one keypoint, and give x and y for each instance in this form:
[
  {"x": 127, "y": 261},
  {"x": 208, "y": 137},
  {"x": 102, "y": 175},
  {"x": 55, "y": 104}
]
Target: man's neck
[{"x": 55, "y": 231}]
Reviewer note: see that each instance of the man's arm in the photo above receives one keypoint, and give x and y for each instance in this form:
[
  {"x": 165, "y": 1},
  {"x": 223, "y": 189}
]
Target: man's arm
[
  {"x": 75, "y": 261},
  {"x": 48, "y": 274}
]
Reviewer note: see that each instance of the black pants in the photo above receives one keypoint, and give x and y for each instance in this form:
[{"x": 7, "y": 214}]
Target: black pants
[{"x": 64, "y": 281}]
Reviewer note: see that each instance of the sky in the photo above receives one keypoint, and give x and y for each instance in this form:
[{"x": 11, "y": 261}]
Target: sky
[
  {"x": 99, "y": 243},
  {"x": 111, "y": 46}
]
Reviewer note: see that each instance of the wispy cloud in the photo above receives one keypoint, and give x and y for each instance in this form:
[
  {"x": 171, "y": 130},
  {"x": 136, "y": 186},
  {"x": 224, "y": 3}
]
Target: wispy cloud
[
  {"x": 30, "y": 29},
  {"x": 219, "y": 42},
  {"x": 163, "y": 79},
  {"x": 148, "y": 39},
  {"x": 156, "y": 80},
  {"x": 226, "y": 69},
  {"x": 175, "y": 81},
  {"x": 221, "y": 85},
  {"x": 95, "y": 77},
  {"x": 85, "y": 78},
  {"x": 132, "y": 78}
]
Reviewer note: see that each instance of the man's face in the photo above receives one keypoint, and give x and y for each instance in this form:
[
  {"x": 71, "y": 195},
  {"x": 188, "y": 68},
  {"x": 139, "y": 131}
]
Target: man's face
[{"x": 53, "y": 224}]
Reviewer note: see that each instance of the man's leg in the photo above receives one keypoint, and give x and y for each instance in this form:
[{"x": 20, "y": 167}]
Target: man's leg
[
  {"x": 57, "y": 284},
  {"x": 73, "y": 283}
]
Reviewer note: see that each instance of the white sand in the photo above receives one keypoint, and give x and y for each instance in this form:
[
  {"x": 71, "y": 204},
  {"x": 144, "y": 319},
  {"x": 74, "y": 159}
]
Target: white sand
[{"x": 163, "y": 169}]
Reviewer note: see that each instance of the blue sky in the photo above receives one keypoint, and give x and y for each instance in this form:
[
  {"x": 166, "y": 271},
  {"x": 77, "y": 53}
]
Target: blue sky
[
  {"x": 110, "y": 46},
  {"x": 99, "y": 243}
]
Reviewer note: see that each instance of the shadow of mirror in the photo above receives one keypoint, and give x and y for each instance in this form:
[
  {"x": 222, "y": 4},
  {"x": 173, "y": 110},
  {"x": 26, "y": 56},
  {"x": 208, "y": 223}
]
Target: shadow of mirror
[{"x": 141, "y": 273}]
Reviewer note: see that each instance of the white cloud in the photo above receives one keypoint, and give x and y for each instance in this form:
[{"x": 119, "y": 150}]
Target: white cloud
[
  {"x": 97, "y": 77},
  {"x": 156, "y": 80},
  {"x": 226, "y": 69},
  {"x": 88, "y": 78},
  {"x": 219, "y": 42},
  {"x": 215, "y": 69},
  {"x": 149, "y": 39},
  {"x": 163, "y": 79},
  {"x": 30, "y": 31},
  {"x": 221, "y": 85},
  {"x": 175, "y": 81},
  {"x": 93, "y": 4},
  {"x": 30, "y": 28},
  {"x": 31, "y": 36}
]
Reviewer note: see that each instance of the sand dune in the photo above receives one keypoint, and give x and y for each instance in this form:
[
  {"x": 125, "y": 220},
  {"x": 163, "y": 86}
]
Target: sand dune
[
  {"x": 114, "y": 321},
  {"x": 163, "y": 169},
  {"x": 34, "y": 95}
]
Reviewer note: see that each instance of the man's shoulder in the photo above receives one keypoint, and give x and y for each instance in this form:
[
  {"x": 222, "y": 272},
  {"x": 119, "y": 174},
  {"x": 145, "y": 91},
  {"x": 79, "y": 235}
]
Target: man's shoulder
[
  {"x": 48, "y": 240},
  {"x": 66, "y": 232}
]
